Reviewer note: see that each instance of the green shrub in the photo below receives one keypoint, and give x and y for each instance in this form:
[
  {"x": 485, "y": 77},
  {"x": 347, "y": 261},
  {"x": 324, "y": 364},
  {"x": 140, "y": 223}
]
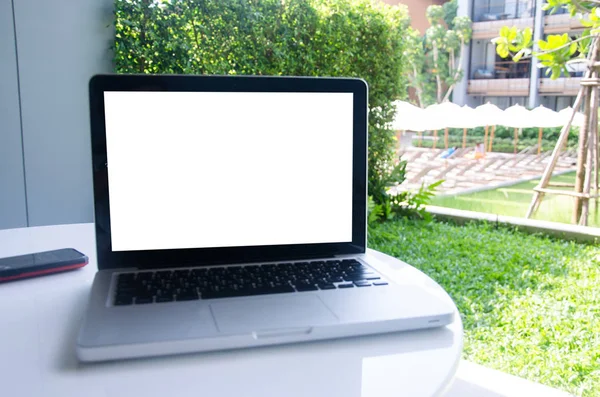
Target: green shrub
[
  {"x": 503, "y": 138},
  {"x": 351, "y": 38}
]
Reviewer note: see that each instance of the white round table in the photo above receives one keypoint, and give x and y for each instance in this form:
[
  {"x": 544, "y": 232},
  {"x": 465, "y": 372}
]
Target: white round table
[{"x": 40, "y": 319}]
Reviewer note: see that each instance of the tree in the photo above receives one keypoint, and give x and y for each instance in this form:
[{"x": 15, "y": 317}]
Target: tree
[
  {"x": 556, "y": 53},
  {"x": 435, "y": 61}
]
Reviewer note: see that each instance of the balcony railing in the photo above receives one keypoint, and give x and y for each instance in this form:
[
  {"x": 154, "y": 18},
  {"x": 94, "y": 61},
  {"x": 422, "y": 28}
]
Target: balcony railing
[
  {"x": 490, "y": 29},
  {"x": 495, "y": 10},
  {"x": 499, "y": 87},
  {"x": 561, "y": 23},
  {"x": 503, "y": 70},
  {"x": 563, "y": 86}
]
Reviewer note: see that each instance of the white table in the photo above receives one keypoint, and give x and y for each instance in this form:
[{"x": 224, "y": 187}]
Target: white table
[{"x": 40, "y": 318}]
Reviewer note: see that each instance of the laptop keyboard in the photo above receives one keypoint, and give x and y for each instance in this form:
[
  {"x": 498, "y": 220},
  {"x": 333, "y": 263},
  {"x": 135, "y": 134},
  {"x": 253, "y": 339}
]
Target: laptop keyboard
[{"x": 234, "y": 281}]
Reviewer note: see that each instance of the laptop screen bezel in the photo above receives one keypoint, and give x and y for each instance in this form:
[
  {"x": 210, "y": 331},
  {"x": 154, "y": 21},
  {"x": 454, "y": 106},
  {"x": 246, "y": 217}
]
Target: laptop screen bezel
[{"x": 108, "y": 259}]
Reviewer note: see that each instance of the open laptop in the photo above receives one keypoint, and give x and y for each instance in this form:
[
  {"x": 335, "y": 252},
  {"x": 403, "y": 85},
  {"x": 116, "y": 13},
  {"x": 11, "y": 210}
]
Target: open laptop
[{"x": 231, "y": 212}]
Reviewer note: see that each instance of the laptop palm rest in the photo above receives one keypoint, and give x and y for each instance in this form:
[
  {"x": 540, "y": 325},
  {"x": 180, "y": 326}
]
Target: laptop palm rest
[{"x": 272, "y": 316}]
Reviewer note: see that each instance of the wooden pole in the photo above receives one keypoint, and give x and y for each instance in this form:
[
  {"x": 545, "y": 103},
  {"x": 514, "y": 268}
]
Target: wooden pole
[
  {"x": 492, "y": 137},
  {"x": 485, "y": 138},
  {"x": 564, "y": 135},
  {"x": 516, "y": 140},
  {"x": 593, "y": 129},
  {"x": 540, "y": 141},
  {"x": 596, "y": 167},
  {"x": 582, "y": 156},
  {"x": 446, "y": 138},
  {"x": 464, "y": 138},
  {"x": 420, "y": 138},
  {"x": 434, "y": 138}
]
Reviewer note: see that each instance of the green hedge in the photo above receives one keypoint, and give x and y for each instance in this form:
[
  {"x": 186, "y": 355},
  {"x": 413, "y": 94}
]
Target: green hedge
[
  {"x": 503, "y": 138},
  {"x": 352, "y": 38}
]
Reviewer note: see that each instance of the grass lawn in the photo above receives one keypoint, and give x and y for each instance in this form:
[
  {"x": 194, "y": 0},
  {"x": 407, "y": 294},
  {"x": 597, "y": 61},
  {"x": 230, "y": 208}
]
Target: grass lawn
[
  {"x": 530, "y": 304},
  {"x": 514, "y": 201}
]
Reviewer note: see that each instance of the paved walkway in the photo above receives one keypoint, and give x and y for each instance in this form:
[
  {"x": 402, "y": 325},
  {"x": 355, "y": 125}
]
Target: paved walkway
[{"x": 461, "y": 173}]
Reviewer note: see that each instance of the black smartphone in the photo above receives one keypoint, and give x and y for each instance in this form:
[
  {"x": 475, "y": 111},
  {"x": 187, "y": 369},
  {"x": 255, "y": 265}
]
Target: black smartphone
[{"x": 41, "y": 263}]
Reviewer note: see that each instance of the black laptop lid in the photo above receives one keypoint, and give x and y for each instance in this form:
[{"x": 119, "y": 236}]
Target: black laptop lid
[{"x": 202, "y": 170}]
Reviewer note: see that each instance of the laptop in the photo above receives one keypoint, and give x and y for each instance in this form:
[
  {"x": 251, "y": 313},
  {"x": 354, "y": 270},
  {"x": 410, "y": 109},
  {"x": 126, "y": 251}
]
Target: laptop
[{"x": 230, "y": 212}]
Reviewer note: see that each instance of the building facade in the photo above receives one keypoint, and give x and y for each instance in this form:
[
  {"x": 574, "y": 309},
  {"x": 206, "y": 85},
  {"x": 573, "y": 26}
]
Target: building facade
[
  {"x": 416, "y": 10},
  {"x": 489, "y": 78}
]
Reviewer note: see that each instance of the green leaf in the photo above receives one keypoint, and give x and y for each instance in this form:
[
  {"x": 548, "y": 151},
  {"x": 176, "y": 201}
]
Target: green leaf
[
  {"x": 512, "y": 34},
  {"x": 518, "y": 56},
  {"x": 572, "y": 48},
  {"x": 527, "y": 36}
]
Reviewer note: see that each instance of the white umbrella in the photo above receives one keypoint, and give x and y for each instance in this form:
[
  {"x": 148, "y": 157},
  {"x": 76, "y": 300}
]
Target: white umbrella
[
  {"x": 545, "y": 118},
  {"x": 492, "y": 115},
  {"x": 442, "y": 115},
  {"x": 565, "y": 114},
  {"x": 518, "y": 118},
  {"x": 469, "y": 118},
  {"x": 408, "y": 117}
]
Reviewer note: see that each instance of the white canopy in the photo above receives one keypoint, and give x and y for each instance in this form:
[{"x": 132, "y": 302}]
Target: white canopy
[
  {"x": 490, "y": 114},
  {"x": 545, "y": 118},
  {"x": 471, "y": 118},
  {"x": 409, "y": 117},
  {"x": 517, "y": 116},
  {"x": 565, "y": 114},
  {"x": 450, "y": 115},
  {"x": 439, "y": 116}
]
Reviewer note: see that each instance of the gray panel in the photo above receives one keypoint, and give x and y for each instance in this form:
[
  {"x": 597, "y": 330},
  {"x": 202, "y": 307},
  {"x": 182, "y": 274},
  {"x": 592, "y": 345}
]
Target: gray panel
[
  {"x": 61, "y": 44},
  {"x": 12, "y": 183}
]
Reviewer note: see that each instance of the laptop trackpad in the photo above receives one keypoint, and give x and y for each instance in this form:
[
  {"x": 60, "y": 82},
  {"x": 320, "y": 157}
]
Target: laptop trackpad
[{"x": 271, "y": 313}]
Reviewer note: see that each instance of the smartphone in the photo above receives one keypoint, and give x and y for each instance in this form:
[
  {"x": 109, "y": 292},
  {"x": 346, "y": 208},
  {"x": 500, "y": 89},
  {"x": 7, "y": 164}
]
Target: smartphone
[{"x": 41, "y": 263}]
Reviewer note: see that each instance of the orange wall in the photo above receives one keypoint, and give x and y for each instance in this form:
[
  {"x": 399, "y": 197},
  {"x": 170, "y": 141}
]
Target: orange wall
[{"x": 416, "y": 9}]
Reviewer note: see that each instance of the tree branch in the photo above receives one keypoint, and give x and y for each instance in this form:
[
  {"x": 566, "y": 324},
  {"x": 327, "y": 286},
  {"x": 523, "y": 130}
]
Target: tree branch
[
  {"x": 565, "y": 45},
  {"x": 580, "y": 7},
  {"x": 591, "y": 37},
  {"x": 458, "y": 70}
]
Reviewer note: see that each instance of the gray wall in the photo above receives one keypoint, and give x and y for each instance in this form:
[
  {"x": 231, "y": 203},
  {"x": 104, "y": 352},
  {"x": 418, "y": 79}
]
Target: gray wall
[
  {"x": 12, "y": 182},
  {"x": 60, "y": 45}
]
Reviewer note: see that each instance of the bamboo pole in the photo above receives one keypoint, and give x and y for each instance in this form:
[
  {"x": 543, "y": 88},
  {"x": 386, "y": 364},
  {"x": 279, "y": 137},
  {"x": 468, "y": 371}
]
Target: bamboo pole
[
  {"x": 446, "y": 138},
  {"x": 485, "y": 138},
  {"x": 540, "y": 141},
  {"x": 435, "y": 138},
  {"x": 464, "y": 138},
  {"x": 564, "y": 135},
  {"x": 593, "y": 130},
  {"x": 492, "y": 138},
  {"x": 582, "y": 157}
]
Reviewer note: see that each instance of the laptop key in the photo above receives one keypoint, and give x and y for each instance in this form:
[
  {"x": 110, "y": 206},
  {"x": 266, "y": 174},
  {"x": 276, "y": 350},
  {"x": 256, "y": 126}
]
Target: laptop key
[
  {"x": 379, "y": 283},
  {"x": 348, "y": 285},
  {"x": 141, "y": 300},
  {"x": 306, "y": 287},
  {"x": 123, "y": 300},
  {"x": 327, "y": 286},
  {"x": 188, "y": 296},
  {"x": 164, "y": 298}
]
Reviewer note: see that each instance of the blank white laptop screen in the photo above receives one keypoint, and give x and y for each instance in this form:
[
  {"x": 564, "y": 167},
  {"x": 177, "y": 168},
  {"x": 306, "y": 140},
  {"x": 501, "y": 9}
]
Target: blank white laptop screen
[{"x": 225, "y": 169}]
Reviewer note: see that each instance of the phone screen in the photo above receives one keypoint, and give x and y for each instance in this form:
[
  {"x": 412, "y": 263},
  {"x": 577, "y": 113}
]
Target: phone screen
[{"x": 40, "y": 259}]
